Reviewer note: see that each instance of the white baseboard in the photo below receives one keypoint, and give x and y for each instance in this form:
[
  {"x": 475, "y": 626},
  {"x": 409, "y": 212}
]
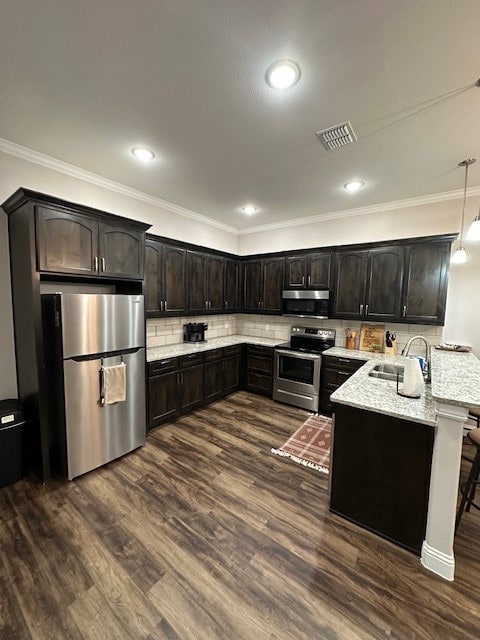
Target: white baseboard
[{"x": 438, "y": 562}]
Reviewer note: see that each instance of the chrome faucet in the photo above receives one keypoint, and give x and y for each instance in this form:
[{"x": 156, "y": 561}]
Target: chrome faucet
[{"x": 406, "y": 350}]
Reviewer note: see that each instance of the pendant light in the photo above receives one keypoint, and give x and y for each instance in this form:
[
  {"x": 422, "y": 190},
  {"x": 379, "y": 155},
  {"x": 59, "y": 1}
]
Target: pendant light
[
  {"x": 473, "y": 234},
  {"x": 460, "y": 255}
]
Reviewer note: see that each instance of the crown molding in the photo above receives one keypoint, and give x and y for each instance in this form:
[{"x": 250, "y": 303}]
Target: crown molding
[
  {"x": 24, "y": 153},
  {"x": 362, "y": 211}
]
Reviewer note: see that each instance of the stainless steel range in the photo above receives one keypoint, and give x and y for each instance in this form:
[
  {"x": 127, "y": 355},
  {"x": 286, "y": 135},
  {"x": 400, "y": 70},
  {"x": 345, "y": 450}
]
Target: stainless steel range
[{"x": 297, "y": 366}]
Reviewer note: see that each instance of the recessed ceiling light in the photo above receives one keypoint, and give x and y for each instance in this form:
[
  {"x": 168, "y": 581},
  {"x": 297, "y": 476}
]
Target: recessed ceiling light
[
  {"x": 145, "y": 155},
  {"x": 354, "y": 185},
  {"x": 249, "y": 209},
  {"x": 283, "y": 74}
]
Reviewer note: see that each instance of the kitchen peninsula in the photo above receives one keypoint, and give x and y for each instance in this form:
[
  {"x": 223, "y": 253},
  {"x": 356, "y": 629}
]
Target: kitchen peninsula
[{"x": 442, "y": 410}]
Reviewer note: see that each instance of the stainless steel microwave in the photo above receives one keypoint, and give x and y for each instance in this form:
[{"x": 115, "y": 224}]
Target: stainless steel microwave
[{"x": 306, "y": 303}]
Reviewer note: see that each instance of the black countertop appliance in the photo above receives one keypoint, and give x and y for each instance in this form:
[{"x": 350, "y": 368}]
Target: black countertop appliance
[{"x": 194, "y": 331}]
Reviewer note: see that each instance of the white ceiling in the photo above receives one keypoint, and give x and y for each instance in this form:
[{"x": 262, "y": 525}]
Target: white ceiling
[{"x": 85, "y": 81}]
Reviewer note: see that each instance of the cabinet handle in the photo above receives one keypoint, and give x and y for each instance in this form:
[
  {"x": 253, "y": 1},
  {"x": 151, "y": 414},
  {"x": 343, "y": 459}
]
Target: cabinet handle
[
  {"x": 309, "y": 281},
  {"x": 161, "y": 306},
  {"x": 165, "y": 305},
  {"x": 206, "y": 305},
  {"x": 95, "y": 263},
  {"x": 102, "y": 262},
  {"x": 258, "y": 305},
  {"x": 182, "y": 376},
  {"x": 404, "y": 310},
  {"x": 344, "y": 360},
  {"x": 209, "y": 305},
  {"x": 366, "y": 309},
  {"x": 226, "y": 304},
  {"x": 361, "y": 310},
  {"x": 303, "y": 281},
  {"x": 178, "y": 379}
]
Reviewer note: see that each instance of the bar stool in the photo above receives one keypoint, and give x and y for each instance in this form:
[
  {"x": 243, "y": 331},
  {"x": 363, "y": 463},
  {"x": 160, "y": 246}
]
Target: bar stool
[{"x": 467, "y": 489}]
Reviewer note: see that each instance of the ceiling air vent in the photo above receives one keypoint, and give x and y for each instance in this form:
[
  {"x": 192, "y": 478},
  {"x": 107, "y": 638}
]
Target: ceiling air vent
[{"x": 338, "y": 136}]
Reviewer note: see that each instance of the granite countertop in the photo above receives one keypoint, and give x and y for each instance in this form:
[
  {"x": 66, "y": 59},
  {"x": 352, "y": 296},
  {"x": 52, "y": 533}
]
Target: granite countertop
[
  {"x": 456, "y": 378},
  {"x": 374, "y": 394},
  {"x": 353, "y": 354},
  {"x": 185, "y": 348}
]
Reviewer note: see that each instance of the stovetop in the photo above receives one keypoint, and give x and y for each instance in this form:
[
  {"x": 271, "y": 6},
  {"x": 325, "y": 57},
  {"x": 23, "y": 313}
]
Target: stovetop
[{"x": 309, "y": 340}]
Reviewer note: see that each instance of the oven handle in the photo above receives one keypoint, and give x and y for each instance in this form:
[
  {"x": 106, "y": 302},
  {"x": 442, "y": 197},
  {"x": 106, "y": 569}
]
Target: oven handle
[{"x": 296, "y": 354}]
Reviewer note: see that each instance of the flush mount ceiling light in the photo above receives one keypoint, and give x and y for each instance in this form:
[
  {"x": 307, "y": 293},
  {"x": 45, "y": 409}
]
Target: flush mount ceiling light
[
  {"x": 249, "y": 209},
  {"x": 354, "y": 185},
  {"x": 143, "y": 154},
  {"x": 283, "y": 74},
  {"x": 460, "y": 255}
]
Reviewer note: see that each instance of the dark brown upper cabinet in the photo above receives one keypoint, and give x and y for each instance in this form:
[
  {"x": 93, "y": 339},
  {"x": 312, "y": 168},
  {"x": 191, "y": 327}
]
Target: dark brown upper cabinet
[
  {"x": 205, "y": 282},
  {"x": 350, "y": 284},
  {"x": 368, "y": 284},
  {"x": 165, "y": 279},
  {"x": 263, "y": 284},
  {"x": 121, "y": 252},
  {"x": 309, "y": 271},
  {"x": 66, "y": 242},
  {"x": 231, "y": 300},
  {"x": 81, "y": 245},
  {"x": 425, "y": 282}
]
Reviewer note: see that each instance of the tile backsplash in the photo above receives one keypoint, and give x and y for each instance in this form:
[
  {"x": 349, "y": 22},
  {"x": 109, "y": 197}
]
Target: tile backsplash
[{"x": 166, "y": 331}]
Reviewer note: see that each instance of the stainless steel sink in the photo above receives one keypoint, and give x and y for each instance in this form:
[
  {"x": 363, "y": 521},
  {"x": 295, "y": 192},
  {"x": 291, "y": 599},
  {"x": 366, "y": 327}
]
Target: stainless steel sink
[{"x": 387, "y": 372}]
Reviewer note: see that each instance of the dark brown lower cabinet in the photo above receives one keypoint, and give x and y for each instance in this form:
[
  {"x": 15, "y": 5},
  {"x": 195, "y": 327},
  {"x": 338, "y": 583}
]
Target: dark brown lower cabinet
[
  {"x": 179, "y": 385},
  {"x": 334, "y": 372},
  {"x": 191, "y": 388},
  {"x": 380, "y": 475},
  {"x": 259, "y": 369}
]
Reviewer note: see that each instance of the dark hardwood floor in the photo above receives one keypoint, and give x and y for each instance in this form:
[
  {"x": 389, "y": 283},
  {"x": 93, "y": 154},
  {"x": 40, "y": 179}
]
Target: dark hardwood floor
[{"x": 203, "y": 534}]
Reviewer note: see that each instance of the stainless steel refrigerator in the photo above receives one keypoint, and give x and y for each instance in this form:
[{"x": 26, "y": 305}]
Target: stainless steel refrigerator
[{"x": 85, "y": 336}]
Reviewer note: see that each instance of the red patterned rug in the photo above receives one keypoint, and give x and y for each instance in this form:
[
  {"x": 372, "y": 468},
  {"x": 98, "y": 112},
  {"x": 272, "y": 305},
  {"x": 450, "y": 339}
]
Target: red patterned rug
[{"x": 310, "y": 444}]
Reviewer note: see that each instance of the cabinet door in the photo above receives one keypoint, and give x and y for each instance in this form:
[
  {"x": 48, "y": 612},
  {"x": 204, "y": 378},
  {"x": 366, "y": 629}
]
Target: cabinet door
[
  {"x": 350, "y": 284},
  {"x": 384, "y": 283},
  {"x": 153, "y": 260},
  {"x": 174, "y": 272},
  {"x": 191, "y": 394},
  {"x": 319, "y": 270},
  {"x": 232, "y": 285},
  {"x": 232, "y": 374},
  {"x": 296, "y": 272},
  {"x": 214, "y": 372},
  {"x": 425, "y": 282},
  {"x": 197, "y": 265},
  {"x": 252, "y": 285},
  {"x": 66, "y": 243},
  {"x": 272, "y": 285},
  {"x": 216, "y": 268},
  {"x": 122, "y": 252},
  {"x": 162, "y": 398}
]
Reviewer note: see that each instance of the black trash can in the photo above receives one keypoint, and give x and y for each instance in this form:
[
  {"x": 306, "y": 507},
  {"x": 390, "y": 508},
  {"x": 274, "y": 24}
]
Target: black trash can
[{"x": 13, "y": 427}]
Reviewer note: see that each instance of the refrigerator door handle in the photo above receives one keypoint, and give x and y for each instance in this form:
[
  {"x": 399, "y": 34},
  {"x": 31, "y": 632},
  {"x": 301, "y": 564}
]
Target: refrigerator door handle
[{"x": 102, "y": 386}]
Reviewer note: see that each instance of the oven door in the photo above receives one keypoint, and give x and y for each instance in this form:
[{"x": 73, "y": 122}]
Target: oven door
[{"x": 297, "y": 371}]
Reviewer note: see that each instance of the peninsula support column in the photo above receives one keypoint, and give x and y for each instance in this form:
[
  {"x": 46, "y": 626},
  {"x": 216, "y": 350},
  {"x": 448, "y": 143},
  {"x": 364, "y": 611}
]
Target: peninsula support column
[{"x": 437, "y": 548}]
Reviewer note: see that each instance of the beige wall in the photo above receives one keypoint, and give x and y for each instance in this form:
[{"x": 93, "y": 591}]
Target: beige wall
[
  {"x": 15, "y": 172},
  {"x": 462, "y": 324}
]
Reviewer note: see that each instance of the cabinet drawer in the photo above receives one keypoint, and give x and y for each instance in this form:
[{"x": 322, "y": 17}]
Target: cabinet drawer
[
  {"x": 260, "y": 364},
  {"x": 234, "y": 350},
  {"x": 333, "y": 378},
  {"x": 214, "y": 354},
  {"x": 190, "y": 360},
  {"x": 343, "y": 364},
  {"x": 259, "y": 383},
  {"x": 162, "y": 366}
]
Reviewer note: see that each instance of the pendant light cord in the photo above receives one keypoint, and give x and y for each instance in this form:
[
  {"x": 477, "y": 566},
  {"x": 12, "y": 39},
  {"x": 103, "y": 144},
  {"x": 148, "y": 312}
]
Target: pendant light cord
[{"x": 464, "y": 202}]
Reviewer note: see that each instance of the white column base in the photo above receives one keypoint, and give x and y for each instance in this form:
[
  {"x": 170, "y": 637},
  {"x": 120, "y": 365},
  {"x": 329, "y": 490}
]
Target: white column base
[{"x": 438, "y": 562}]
